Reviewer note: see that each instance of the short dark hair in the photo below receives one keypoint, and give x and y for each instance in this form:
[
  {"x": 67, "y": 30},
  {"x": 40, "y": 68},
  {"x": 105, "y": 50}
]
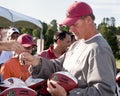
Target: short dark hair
[
  {"x": 91, "y": 15},
  {"x": 60, "y": 35}
]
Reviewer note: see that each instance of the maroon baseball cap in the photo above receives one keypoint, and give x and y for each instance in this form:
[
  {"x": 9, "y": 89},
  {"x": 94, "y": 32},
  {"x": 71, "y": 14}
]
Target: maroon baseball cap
[
  {"x": 26, "y": 40},
  {"x": 75, "y": 11}
]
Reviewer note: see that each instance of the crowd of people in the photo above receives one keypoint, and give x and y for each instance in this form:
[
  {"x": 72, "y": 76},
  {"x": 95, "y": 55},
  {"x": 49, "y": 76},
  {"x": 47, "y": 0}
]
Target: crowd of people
[
  {"x": 89, "y": 58},
  {"x": 20, "y": 70}
]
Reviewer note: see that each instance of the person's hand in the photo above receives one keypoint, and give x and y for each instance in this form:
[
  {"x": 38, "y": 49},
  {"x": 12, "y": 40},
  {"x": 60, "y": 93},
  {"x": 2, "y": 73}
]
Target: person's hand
[
  {"x": 14, "y": 46},
  {"x": 17, "y": 47},
  {"x": 55, "y": 89},
  {"x": 27, "y": 58}
]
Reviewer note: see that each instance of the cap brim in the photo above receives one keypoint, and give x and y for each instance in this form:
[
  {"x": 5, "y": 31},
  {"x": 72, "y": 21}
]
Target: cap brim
[
  {"x": 69, "y": 21},
  {"x": 28, "y": 45}
]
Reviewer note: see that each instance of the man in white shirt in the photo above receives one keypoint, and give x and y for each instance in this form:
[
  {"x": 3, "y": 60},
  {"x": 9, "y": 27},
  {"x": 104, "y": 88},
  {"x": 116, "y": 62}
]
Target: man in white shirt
[{"x": 89, "y": 59}]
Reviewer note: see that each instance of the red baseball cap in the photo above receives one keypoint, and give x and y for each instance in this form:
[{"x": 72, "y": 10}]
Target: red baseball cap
[
  {"x": 26, "y": 40},
  {"x": 75, "y": 11}
]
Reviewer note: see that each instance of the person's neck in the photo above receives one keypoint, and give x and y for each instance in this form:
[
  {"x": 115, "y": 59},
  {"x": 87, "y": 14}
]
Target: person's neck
[
  {"x": 57, "y": 51},
  {"x": 91, "y": 32}
]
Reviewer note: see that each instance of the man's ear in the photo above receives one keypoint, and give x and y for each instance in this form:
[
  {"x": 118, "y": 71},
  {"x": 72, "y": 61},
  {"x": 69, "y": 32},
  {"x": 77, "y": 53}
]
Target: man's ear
[
  {"x": 58, "y": 41},
  {"x": 89, "y": 19}
]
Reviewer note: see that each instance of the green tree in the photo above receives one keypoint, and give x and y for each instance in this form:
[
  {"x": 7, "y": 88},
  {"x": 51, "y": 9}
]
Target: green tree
[
  {"x": 103, "y": 29},
  {"x": 53, "y": 24},
  {"x": 118, "y": 30},
  {"x": 36, "y": 33},
  {"x": 49, "y": 38},
  {"x": 50, "y": 31},
  {"x": 26, "y": 30},
  {"x": 45, "y": 27},
  {"x": 112, "y": 21},
  {"x": 64, "y": 28},
  {"x": 109, "y": 34},
  {"x": 107, "y": 21}
]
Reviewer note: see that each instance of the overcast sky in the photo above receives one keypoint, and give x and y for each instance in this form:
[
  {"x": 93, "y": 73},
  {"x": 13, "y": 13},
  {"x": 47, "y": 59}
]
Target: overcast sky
[{"x": 47, "y": 10}]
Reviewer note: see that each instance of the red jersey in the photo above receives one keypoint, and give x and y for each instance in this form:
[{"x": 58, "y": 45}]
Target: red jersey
[{"x": 48, "y": 54}]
